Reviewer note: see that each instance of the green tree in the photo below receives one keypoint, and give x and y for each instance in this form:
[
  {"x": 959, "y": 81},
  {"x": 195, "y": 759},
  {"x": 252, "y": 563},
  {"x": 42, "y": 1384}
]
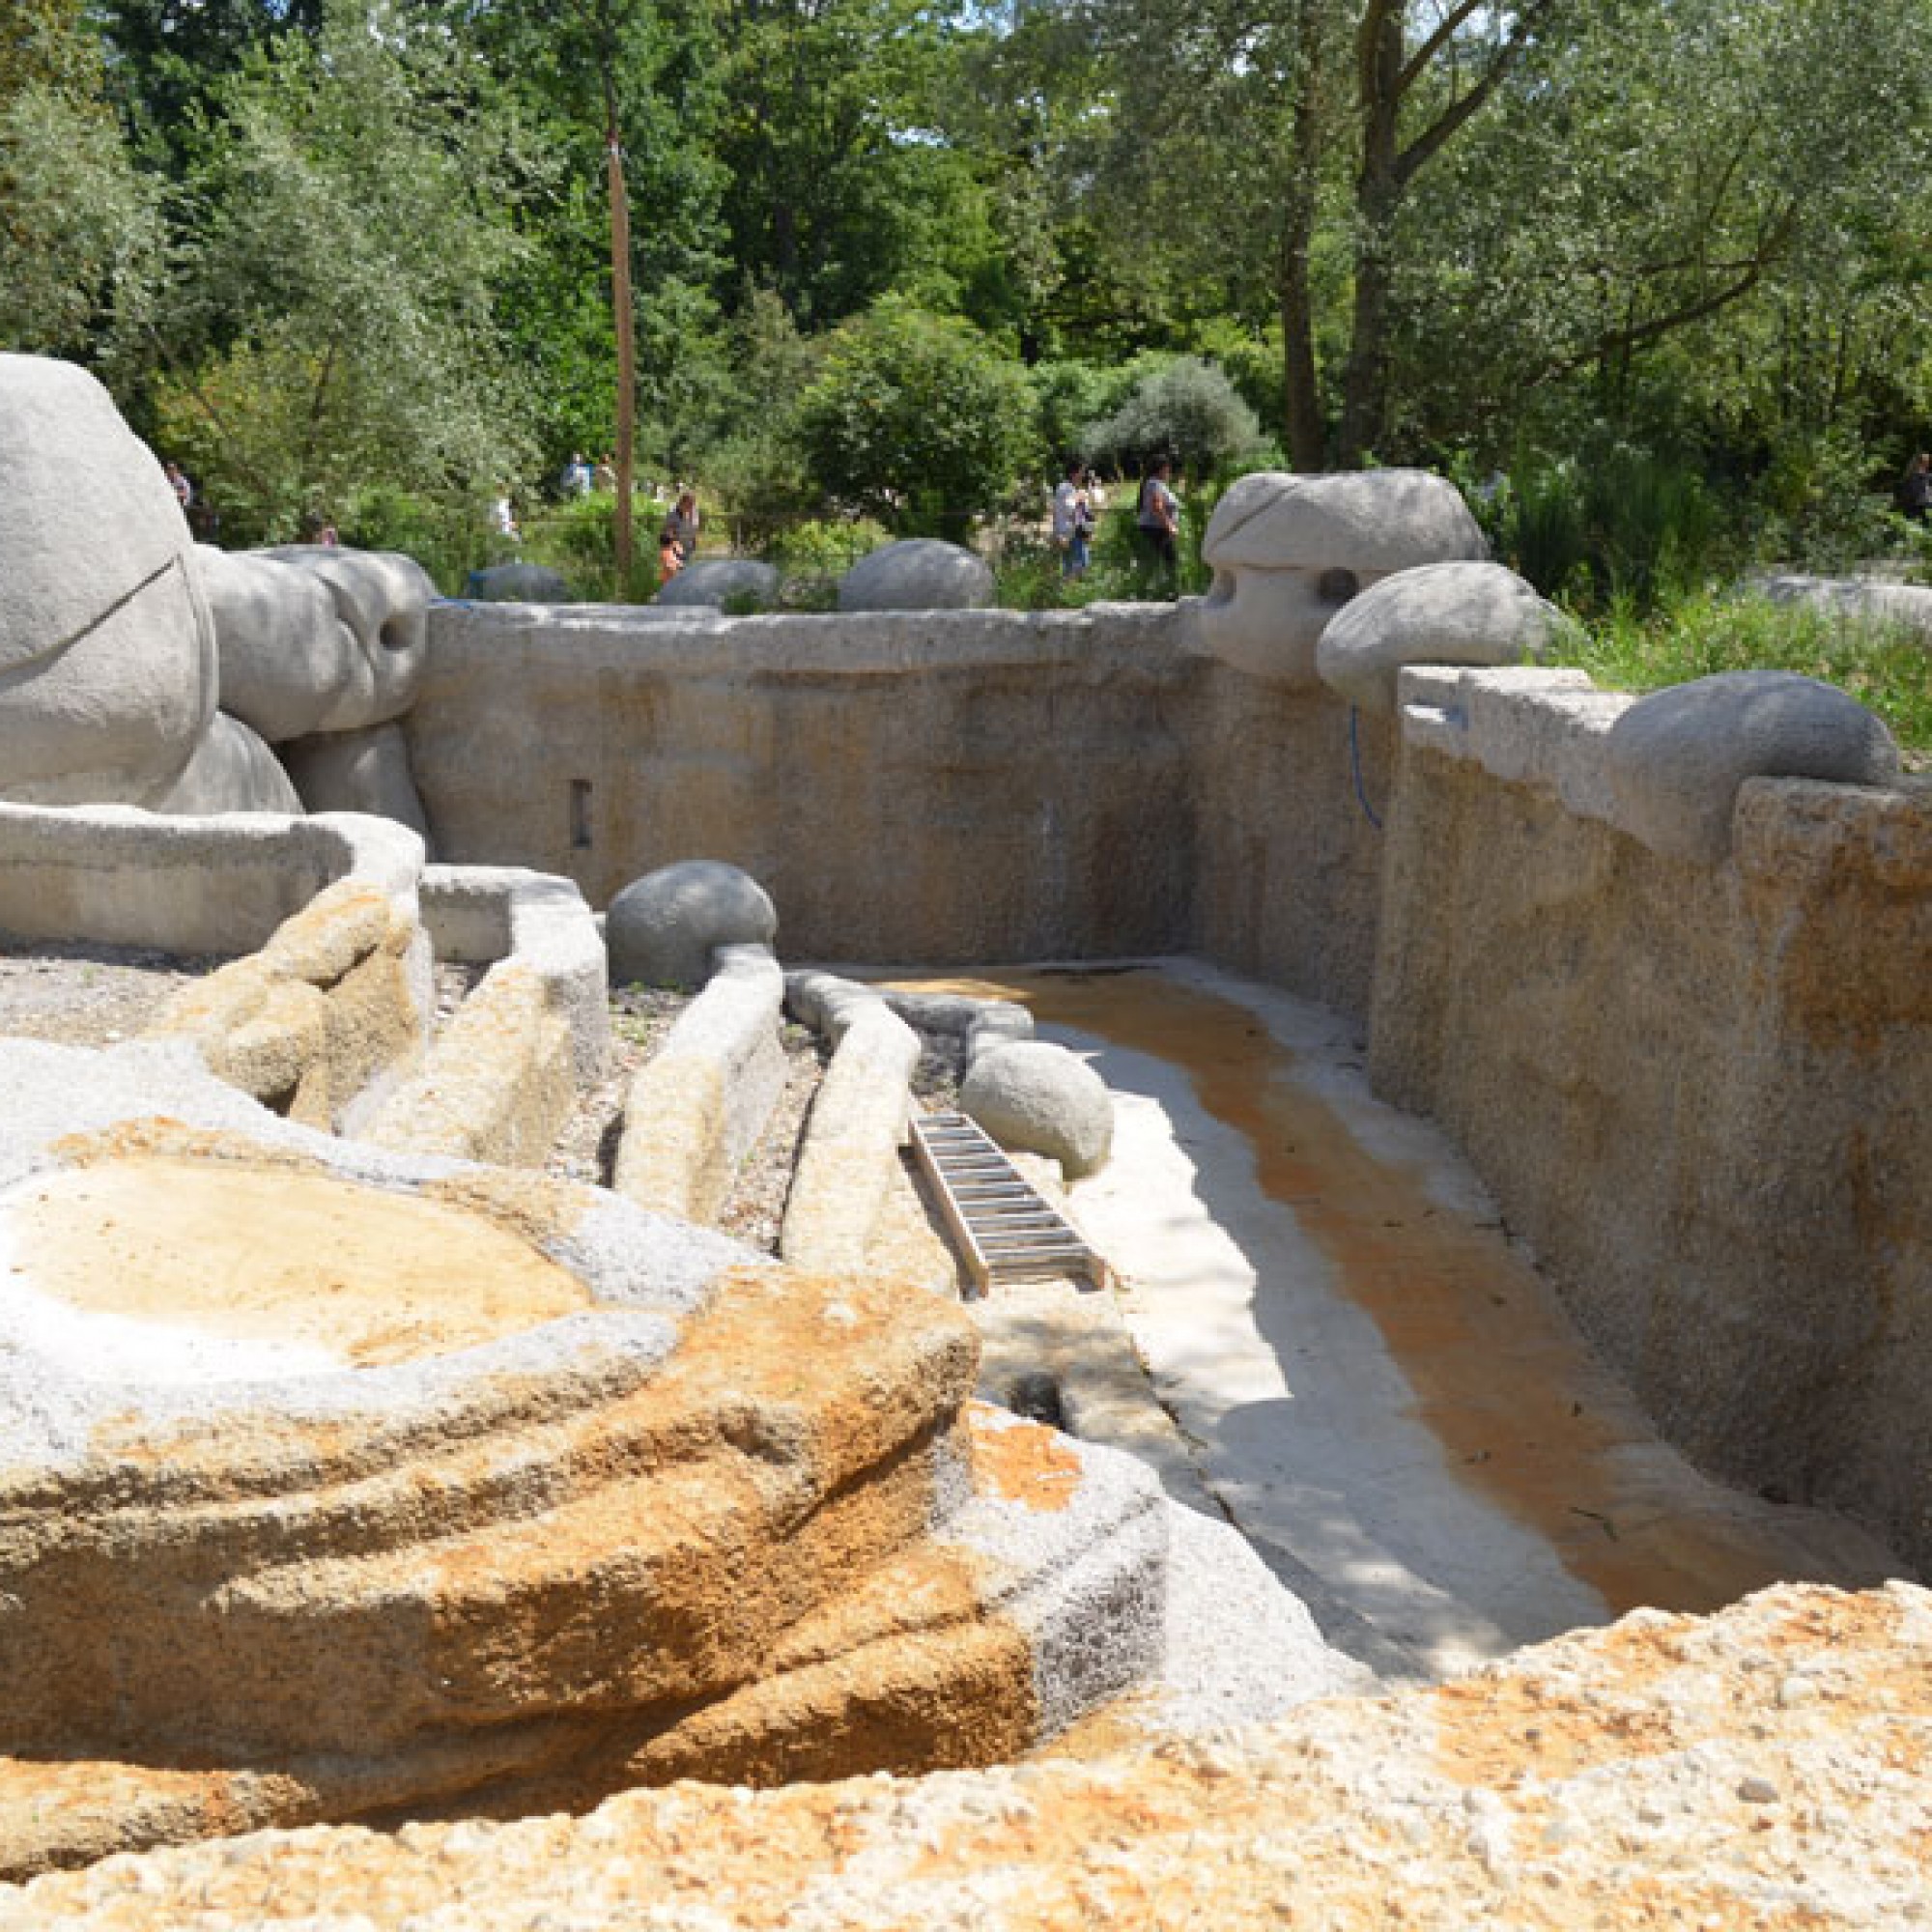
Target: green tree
[
  {"x": 80, "y": 230},
  {"x": 330, "y": 326},
  {"x": 81, "y": 234},
  {"x": 1702, "y": 226},
  {"x": 917, "y": 419}
]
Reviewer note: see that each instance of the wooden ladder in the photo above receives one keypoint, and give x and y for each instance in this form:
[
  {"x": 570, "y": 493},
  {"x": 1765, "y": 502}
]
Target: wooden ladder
[{"x": 1005, "y": 1229}]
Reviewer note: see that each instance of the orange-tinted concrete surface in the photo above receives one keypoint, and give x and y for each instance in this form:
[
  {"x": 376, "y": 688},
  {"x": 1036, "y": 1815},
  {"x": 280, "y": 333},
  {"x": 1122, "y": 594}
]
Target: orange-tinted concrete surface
[{"x": 1523, "y": 1413}]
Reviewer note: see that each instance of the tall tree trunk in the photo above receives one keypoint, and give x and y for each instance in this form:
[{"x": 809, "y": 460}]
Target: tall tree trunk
[
  {"x": 1365, "y": 382},
  {"x": 1307, "y": 440},
  {"x": 627, "y": 346}
]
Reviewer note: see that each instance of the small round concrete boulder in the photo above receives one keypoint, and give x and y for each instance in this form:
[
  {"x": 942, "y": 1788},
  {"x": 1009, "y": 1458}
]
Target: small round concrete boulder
[
  {"x": 232, "y": 770},
  {"x": 661, "y": 930},
  {"x": 1447, "y": 613},
  {"x": 1676, "y": 758},
  {"x": 918, "y": 573},
  {"x": 717, "y": 581},
  {"x": 1289, "y": 552},
  {"x": 517, "y": 583},
  {"x": 1035, "y": 1098}
]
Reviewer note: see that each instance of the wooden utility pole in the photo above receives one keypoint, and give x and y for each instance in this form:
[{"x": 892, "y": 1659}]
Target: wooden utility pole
[{"x": 620, "y": 308}]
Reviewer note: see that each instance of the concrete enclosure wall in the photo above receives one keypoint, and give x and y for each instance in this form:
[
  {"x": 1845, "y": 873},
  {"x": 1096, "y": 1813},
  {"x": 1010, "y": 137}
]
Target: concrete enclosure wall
[{"x": 1701, "y": 1091}]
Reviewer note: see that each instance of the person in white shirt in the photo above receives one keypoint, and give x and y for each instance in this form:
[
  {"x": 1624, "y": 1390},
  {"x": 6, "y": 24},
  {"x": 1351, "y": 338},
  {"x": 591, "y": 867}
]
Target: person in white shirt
[{"x": 1072, "y": 523}]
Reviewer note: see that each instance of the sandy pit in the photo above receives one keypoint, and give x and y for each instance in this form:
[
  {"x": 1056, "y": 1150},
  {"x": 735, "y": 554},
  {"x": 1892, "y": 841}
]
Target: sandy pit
[{"x": 315, "y": 1272}]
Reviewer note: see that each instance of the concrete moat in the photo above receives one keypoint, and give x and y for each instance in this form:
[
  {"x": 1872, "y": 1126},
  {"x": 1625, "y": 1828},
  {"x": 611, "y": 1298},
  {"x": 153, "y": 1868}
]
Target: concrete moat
[{"x": 1378, "y": 1386}]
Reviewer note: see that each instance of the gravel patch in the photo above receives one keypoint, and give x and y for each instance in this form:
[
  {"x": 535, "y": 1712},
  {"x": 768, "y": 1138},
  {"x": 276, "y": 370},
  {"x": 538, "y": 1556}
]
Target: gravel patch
[
  {"x": 586, "y": 1148},
  {"x": 942, "y": 1065},
  {"x": 77, "y": 993},
  {"x": 755, "y": 1210}
]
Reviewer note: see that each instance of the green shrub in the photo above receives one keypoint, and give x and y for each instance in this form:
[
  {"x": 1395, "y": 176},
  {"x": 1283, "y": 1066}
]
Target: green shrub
[
  {"x": 916, "y": 419},
  {"x": 1188, "y": 410},
  {"x": 1624, "y": 523}
]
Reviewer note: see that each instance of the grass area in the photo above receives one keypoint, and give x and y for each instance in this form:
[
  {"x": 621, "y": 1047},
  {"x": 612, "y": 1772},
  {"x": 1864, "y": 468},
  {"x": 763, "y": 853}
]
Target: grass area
[{"x": 1888, "y": 667}]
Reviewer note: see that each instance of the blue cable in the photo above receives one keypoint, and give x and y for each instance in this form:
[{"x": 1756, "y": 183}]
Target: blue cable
[{"x": 1355, "y": 764}]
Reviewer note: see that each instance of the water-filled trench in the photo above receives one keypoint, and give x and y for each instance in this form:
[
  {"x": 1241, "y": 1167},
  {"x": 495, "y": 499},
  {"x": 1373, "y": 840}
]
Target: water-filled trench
[{"x": 1380, "y": 1389}]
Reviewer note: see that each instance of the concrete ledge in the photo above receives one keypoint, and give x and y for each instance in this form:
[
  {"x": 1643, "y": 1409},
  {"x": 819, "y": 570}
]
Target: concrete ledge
[
  {"x": 851, "y": 1139},
  {"x": 698, "y": 1106},
  {"x": 126, "y": 877},
  {"x": 1548, "y": 728},
  {"x": 477, "y": 915},
  {"x": 498, "y": 1085}
]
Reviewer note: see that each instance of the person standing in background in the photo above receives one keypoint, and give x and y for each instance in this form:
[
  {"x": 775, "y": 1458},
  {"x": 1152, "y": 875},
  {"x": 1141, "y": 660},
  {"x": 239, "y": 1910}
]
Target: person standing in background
[
  {"x": 1914, "y": 488},
  {"x": 683, "y": 524},
  {"x": 1072, "y": 522},
  {"x": 1158, "y": 519}
]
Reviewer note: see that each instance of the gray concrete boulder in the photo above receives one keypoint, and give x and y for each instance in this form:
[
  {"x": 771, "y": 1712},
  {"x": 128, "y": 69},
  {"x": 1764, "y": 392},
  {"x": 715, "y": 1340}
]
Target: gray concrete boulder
[
  {"x": 1676, "y": 758},
  {"x": 314, "y": 637},
  {"x": 1447, "y": 613},
  {"x": 1035, "y": 1098},
  {"x": 1859, "y": 600},
  {"x": 661, "y": 930},
  {"x": 918, "y": 573},
  {"x": 1287, "y": 552},
  {"x": 358, "y": 771},
  {"x": 517, "y": 583},
  {"x": 107, "y": 663},
  {"x": 717, "y": 579},
  {"x": 231, "y": 770}
]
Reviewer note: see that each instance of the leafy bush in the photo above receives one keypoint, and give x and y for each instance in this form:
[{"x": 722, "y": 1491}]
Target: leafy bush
[
  {"x": 1070, "y": 397},
  {"x": 1626, "y": 524},
  {"x": 1817, "y": 509},
  {"x": 917, "y": 419},
  {"x": 1188, "y": 411}
]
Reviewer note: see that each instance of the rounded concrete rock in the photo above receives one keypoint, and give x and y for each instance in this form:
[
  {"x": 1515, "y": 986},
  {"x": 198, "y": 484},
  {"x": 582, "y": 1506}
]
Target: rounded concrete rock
[
  {"x": 1447, "y": 613},
  {"x": 1676, "y": 758},
  {"x": 231, "y": 770},
  {"x": 314, "y": 637},
  {"x": 713, "y": 579},
  {"x": 517, "y": 583},
  {"x": 1287, "y": 552},
  {"x": 1035, "y": 1098},
  {"x": 918, "y": 573},
  {"x": 107, "y": 663},
  {"x": 358, "y": 771},
  {"x": 661, "y": 930}
]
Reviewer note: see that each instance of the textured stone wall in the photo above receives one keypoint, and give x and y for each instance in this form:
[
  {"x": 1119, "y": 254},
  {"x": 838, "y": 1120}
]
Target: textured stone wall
[
  {"x": 1701, "y": 1091},
  {"x": 961, "y": 786},
  {"x": 1698, "y": 1089}
]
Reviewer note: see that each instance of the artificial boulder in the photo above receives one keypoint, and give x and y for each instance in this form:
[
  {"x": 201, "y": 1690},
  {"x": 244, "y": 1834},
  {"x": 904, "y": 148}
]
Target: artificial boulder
[
  {"x": 358, "y": 771},
  {"x": 723, "y": 580},
  {"x": 918, "y": 573},
  {"x": 1447, "y": 613},
  {"x": 516, "y": 583},
  {"x": 314, "y": 637},
  {"x": 661, "y": 930},
  {"x": 1289, "y": 552},
  {"x": 107, "y": 662},
  {"x": 1676, "y": 758},
  {"x": 231, "y": 770},
  {"x": 1035, "y": 1098}
]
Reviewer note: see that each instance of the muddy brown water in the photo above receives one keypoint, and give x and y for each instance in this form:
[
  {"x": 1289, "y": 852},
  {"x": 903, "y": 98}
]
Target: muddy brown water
[{"x": 1523, "y": 1413}]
